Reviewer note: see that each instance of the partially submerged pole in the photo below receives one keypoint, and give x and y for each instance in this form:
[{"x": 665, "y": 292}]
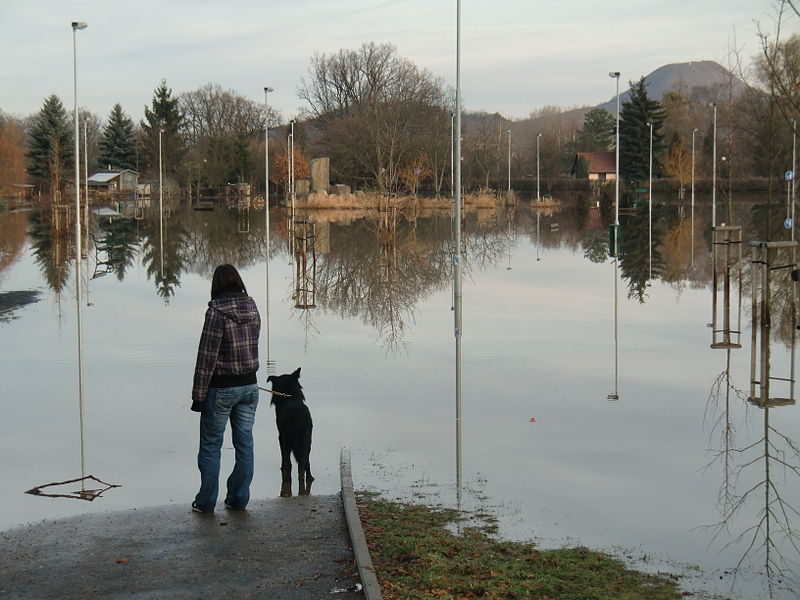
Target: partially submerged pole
[{"x": 457, "y": 283}]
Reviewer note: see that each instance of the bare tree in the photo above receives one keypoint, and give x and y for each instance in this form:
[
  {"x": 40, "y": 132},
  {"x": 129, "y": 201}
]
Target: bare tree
[{"x": 371, "y": 106}]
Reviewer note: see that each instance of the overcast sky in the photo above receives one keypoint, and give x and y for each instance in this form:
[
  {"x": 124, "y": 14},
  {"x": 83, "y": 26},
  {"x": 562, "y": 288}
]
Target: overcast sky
[{"x": 517, "y": 55}]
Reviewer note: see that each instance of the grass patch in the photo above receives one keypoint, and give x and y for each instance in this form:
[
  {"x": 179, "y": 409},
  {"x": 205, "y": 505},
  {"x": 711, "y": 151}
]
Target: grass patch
[{"x": 416, "y": 556}]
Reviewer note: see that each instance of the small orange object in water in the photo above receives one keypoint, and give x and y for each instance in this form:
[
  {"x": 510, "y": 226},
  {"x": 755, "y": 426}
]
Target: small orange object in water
[{"x": 533, "y": 420}]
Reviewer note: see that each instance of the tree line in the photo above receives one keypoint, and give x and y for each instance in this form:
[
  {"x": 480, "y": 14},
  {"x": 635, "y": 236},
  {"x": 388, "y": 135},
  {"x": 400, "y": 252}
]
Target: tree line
[{"x": 387, "y": 125}]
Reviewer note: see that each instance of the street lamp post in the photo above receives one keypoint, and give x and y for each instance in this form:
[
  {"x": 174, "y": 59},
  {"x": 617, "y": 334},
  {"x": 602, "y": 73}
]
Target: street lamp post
[
  {"x": 452, "y": 153},
  {"x": 714, "y": 171},
  {"x": 509, "y": 161},
  {"x": 615, "y": 394},
  {"x": 794, "y": 169},
  {"x": 694, "y": 131},
  {"x": 291, "y": 163},
  {"x": 77, "y": 26},
  {"x": 538, "y": 137},
  {"x": 650, "y": 202},
  {"x": 457, "y": 284},
  {"x": 615, "y": 75},
  {"x": 267, "y": 90}
]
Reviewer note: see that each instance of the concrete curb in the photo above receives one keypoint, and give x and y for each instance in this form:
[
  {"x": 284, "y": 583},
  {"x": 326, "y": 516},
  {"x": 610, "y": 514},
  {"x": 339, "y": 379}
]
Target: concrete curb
[{"x": 372, "y": 590}]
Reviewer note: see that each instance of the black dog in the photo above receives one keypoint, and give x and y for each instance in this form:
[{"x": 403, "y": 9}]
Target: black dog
[{"x": 294, "y": 430}]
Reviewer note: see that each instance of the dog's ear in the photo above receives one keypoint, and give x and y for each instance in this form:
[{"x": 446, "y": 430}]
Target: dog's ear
[
  {"x": 271, "y": 378},
  {"x": 296, "y": 374}
]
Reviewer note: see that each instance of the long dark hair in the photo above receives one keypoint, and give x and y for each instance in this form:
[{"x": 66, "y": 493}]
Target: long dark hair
[{"x": 226, "y": 280}]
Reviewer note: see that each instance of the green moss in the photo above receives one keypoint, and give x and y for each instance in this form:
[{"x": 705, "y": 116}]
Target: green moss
[{"x": 416, "y": 556}]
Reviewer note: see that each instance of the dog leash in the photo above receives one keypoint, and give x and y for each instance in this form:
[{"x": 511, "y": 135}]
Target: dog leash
[{"x": 274, "y": 393}]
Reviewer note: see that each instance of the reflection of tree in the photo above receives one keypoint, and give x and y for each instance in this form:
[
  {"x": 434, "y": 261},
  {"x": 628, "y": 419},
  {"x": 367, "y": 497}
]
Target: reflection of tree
[
  {"x": 719, "y": 412},
  {"x": 53, "y": 245},
  {"x": 758, "y": 476},
  {"x": 13, "y": 229},
  {"x": 771, "y": 538},
  {"x": 634, "y": 252},
  {"x": 211, "y": 238},
  {"x": 118, "y": 243},
  {"x": 676, "y": 250},
  {"x": 166, "y": 273},
  {"x": 381, "y": 266}
]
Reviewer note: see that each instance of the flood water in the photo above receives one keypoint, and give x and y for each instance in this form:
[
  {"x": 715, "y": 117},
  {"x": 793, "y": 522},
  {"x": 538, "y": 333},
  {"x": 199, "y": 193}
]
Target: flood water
[{"x": 689, "y": 470}]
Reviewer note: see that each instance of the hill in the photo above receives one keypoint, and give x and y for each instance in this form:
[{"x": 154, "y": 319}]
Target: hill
[{"x": 701, "y": 81}]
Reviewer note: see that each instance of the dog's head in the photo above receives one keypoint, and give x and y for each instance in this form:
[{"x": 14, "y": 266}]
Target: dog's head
[{"x": 287, "y": 386}]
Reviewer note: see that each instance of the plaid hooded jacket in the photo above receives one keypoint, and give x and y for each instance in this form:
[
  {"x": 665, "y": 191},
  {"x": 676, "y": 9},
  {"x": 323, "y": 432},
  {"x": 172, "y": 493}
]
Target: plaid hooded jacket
[{"x": 228, "y": 352}]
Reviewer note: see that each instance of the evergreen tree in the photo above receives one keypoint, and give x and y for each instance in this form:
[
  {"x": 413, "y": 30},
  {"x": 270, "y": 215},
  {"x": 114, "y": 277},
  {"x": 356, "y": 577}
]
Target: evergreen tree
[
  {"x": 164, "y": 114},
  {"x": 50, "y": 146},
  {"x": 634, "y": 133},
  {"x": 597, "y": 132},
  {"x": 118, "y": 145}
]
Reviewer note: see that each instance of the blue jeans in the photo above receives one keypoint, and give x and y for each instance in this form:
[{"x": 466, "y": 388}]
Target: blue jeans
[{"x": 239, "y": 405}]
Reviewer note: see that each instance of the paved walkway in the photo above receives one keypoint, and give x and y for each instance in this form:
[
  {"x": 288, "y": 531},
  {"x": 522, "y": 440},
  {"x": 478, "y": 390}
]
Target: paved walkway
[{"x": 283, "y": 548}]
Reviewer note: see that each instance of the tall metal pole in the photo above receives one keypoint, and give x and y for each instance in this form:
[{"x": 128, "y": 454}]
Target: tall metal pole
[
  {"x": 615, "y": 75},
  {"x": 457, "y": 259},
  {"x": 86, "y": 176},
  {"x": 267, "y": 90},
  {"x": 794, "y": 169},
  {"x": 452, "y": 154},
  {"x": 538, "y": 137},
  {"x": 86, "y": 194},
  {"x": 650, "y": 203},
  {"x": 291, "y": 177},
  {"x": 509, "y": 160},
  {"x": 714, "y": 172},
  {"x": 694, "y": 131},
  {"x": 76, "y": 26},
  {"x": 161, "y": 198}
]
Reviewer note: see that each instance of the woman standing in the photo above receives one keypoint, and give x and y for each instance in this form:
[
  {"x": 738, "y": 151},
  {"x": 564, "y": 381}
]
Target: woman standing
[{"x": 225, "y": 387}]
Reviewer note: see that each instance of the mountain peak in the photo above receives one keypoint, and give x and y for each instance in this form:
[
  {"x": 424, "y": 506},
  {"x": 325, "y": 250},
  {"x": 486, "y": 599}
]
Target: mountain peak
[{"x": 703, "y": 80}]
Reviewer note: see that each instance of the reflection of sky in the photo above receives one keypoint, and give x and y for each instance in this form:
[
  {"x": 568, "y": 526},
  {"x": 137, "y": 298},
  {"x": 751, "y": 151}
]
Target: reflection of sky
[{"x": 538, "y": 342}]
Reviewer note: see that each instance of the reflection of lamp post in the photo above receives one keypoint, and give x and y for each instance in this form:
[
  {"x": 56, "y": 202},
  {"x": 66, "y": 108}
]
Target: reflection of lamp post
[
  {"x": 267, "y": 90},
  {"x": 76, "y": 26},
  {"x": 614, "y": 395},
  {"x": 538, "y": 137},
  {"x": 714, "y": 171},
  {"x": 161, "y": 198},
  {"x": 509, "y": 160},
  {"x": 615, "y": 75},
  {"x": 650, "y": 202},
  {"x": 694, "y": 131}
]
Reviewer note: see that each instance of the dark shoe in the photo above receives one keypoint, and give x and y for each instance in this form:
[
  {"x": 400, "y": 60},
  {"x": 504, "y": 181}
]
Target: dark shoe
[
  {"x": 197, "y": 509},
  {"x": 231, "y": 507}
]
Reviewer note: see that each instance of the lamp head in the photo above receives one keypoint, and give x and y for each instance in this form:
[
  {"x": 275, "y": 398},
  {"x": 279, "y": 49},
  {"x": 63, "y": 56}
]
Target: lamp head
[
  {"x": 268, "y": 89},
  {"x": 695, "y": 130},
  {"x": 76, "y": 25},
  {"x": 614, "y": 74},
  {"x": 538, "y": 135}
]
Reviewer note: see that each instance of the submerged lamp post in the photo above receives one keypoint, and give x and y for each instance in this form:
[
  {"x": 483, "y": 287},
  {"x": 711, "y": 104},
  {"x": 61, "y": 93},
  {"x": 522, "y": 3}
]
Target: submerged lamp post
[
  {"x": 650, "y": 202},
  {"x": 538, "y": 137},
  {"x": 714, "y": 171},
  {"x": 694, "y": 131},
  {"x": 77, "y": 26},
  {"x": 267, "y": 90},
  {"x": 457, "y": 284},
  {"x": 615, "y": 394},
  {"x": 509, "y": 160},
  {"x": 615, "y": 75}
]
